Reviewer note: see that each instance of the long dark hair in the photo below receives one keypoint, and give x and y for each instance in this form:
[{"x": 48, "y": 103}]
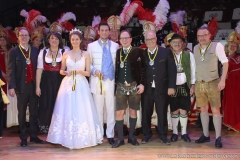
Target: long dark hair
[{"x": 56, "y": 35}]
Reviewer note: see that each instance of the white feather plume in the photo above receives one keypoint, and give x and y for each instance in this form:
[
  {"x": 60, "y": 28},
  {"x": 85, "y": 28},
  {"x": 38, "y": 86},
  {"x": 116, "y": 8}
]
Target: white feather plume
[
  {"x": 24, "y": 13},
  {"x": 128, "y": 12},
  {"x": 177, "y": 17},
  {"x": 67, "y": 16},
  {"x": 160, "y": 13},
  {"x": 96, "y": 20},
  {"x": 238, "y": 28}
]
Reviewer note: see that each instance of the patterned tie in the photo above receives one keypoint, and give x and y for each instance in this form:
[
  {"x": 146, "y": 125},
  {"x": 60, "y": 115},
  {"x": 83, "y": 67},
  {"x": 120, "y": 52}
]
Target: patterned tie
[{"x": 107, "y": 63}]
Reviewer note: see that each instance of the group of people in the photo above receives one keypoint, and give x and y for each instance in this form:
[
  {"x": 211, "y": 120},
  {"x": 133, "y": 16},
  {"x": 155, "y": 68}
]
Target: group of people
[{"x": 62, "y": 102}]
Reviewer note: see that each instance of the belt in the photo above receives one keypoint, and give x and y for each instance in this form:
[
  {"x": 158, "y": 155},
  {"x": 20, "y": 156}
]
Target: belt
[{"x": 129, "y": 84}]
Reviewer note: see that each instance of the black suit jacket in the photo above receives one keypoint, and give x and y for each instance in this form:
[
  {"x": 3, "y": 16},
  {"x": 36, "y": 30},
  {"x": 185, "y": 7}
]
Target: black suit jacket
[
  {"x": 163, "y": 71},
  {"x": 137, "y": 64},
  {"x": 17, "y": 68}
]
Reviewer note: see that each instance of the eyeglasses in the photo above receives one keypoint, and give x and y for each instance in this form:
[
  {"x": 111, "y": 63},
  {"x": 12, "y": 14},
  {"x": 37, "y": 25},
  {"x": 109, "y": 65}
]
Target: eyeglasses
[
  {"x": 23, "y": 35},
  {"x": 202, "y": 36},
  {"x": 150, "y": 40},
  {"x": 124, "y": 38},
  {"x": 176, "y": 42}
]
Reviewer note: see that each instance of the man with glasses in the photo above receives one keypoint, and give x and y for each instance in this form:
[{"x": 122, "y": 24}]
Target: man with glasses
[
  {"x": 21, "y": 70},
  {"x": 209, "y": 82},
  {"x": 160, "y": 83},
  {"x": 129, "y": 85},
  {"x": 180, "y": 102}
]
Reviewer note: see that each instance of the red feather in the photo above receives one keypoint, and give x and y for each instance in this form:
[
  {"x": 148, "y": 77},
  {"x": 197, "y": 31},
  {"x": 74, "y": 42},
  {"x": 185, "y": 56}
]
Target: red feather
[{"x": 213, "y": 27}]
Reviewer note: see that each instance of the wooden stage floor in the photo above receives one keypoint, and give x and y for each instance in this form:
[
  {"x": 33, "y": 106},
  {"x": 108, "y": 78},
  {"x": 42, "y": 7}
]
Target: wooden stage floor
[{"x": 10, "y": 149}]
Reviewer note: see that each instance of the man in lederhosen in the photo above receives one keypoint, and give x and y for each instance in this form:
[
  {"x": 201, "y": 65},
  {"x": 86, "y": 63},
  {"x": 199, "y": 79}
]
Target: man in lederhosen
[{"x": 129, "y": 84}]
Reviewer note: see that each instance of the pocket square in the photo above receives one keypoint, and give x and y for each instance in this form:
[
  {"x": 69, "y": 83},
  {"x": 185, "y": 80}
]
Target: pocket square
[{"x": 139, "y": 59}]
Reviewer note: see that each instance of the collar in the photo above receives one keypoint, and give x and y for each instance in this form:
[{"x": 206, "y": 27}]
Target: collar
[
  {"x": 127, "y": 48},
  {"x": 24, "y": 48},
  {"x": 178, "y": 54},
  {"x": 152, "y": 52}
]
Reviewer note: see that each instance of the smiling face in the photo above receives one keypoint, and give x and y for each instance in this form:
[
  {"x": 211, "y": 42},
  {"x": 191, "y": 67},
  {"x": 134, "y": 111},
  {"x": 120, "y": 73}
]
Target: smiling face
[
  {"x": 53, "y": 41},
  {"x": 114, "y": 33},
  {"x": 232, "y": 48},
  {"x": 125, "y": 39},
  {"x": 203, "y": 36},
  {"x": 177, "y": 45},
  {"x": 104, "y": 32},
  {"x": 150, "y": 39},
  {"x": 36, "y": 42},
  {"x": 23, "y": 37},
  {"x": 75, "y": 41}
]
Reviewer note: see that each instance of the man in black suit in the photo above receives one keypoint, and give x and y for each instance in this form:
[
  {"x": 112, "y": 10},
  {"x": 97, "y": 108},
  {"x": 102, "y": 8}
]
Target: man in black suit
[
  {"x": 21, "y": 71},
  {"x": 160, "y": 82},
  {"x": 129, "y": 84}
]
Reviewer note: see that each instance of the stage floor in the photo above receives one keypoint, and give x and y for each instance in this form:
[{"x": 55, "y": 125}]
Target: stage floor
[{"x": 10, "y": 149}]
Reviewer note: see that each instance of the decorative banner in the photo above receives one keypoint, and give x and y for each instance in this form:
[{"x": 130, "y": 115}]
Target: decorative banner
[
  {"x": 236, "y": 14},
  {"x": 209, "y": 14},
  {"x": 222, "y": 34}
]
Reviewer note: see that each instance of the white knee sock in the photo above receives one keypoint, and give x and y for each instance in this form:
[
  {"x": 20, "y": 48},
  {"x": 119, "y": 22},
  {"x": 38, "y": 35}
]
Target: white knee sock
[
  {"x": 175, "y": 120},
  {"x": 217, "y": 121},
  {"x": 205, "y": 123},
  {"x": 183, "y": 121}
]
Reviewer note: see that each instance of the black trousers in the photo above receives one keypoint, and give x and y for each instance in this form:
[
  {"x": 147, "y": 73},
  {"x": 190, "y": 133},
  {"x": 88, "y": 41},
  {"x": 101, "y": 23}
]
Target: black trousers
[
  {"x": 161, "y": 104},
  {"x": 28, "y": 98}
]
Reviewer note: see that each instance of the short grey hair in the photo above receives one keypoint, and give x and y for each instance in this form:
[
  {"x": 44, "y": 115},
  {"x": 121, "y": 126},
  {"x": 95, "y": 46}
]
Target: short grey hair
[{"x": 149, "y": 31}]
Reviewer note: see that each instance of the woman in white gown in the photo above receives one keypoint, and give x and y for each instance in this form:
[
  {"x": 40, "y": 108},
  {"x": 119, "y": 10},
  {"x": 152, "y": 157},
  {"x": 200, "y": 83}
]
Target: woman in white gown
[{"x": 75, "y": 121}]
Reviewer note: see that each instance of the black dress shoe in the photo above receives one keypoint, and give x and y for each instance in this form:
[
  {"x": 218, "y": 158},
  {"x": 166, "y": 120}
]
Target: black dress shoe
[
  {"x": 138, "y": 131},
  {"x": 165, "y": 140},
  {"x": 23, "y": 143},
  {"x": 125, "y": 130},
  {"x": 218, "y": 142},
  {"x": 174, "y": 137},
  {"x": 203, "y": 139},
  {"x": 186, "y": 138},
  {"x": 118, "y": 143},
  {"x": 36, "y": 140},
  {"x": 110, "y": 141},
  {"x": 133, "y": 141},
  {"x": 145, "y": 139}
]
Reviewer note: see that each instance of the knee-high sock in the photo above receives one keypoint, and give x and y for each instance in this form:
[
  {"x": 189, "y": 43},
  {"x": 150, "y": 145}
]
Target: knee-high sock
[
  {"x": 119, "y": 125},
  {"x": 175, "y": 121},
  {"x": 217, "y": 121},
  {"x": 205, "y": 123},
  {"x": 133, "y": 122},
  {"x": 183, "y": 121}
]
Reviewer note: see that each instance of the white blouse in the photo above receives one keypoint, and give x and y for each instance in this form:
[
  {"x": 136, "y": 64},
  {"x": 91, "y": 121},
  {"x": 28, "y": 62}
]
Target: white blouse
[{"x": 47, "y": 57}]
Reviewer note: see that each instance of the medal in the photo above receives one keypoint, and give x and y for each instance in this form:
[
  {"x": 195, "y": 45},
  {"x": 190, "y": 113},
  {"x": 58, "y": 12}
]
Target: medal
[
  {"x": 202, "y": 58},
  {"x": 151, "y": 62},
  {"x": 179, "y": 68},
  {"x": 121, "y": 65},
  {"x": 28, "y": 61},
  {"x": 128, "y": 93},
  {"x": 54, "y": 63}
]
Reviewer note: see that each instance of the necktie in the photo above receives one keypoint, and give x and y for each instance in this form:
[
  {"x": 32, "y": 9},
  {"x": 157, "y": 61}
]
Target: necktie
[{"x": 125, "y": 51}]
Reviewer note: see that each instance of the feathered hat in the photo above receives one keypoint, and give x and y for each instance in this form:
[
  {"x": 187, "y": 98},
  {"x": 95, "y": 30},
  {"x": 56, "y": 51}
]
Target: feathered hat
[
  {"x": 9, "y": 34},
  {"x": 213, "y": 27},
  {"x": 129, "y": 9},
  {"x": 96, "y": 21},
  {"x": 158, "y": 16},
  {"x": 63, "y": 24},
  {"x": 90, "y": 32},
  {"x": 33, "y": 19},
  {"x": 235, "y": 35},
  {"x": 114, "y": 22},
  {"x": 167, "y": 38},
  {"x": 38, "y": 33},
  {"x": 177, "y": 23}
]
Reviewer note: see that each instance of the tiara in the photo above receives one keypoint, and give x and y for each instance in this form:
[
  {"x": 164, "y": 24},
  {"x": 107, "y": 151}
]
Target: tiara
[{"x": 75, "y": 30}]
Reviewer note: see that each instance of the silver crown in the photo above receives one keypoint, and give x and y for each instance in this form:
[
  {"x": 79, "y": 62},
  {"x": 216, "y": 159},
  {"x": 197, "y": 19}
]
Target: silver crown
[{"x": 75, "y": 30}]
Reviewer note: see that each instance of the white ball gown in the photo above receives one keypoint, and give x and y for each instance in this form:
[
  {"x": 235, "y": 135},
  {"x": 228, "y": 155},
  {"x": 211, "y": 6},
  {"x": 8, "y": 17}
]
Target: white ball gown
[{"x": 75, "y": 122}]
